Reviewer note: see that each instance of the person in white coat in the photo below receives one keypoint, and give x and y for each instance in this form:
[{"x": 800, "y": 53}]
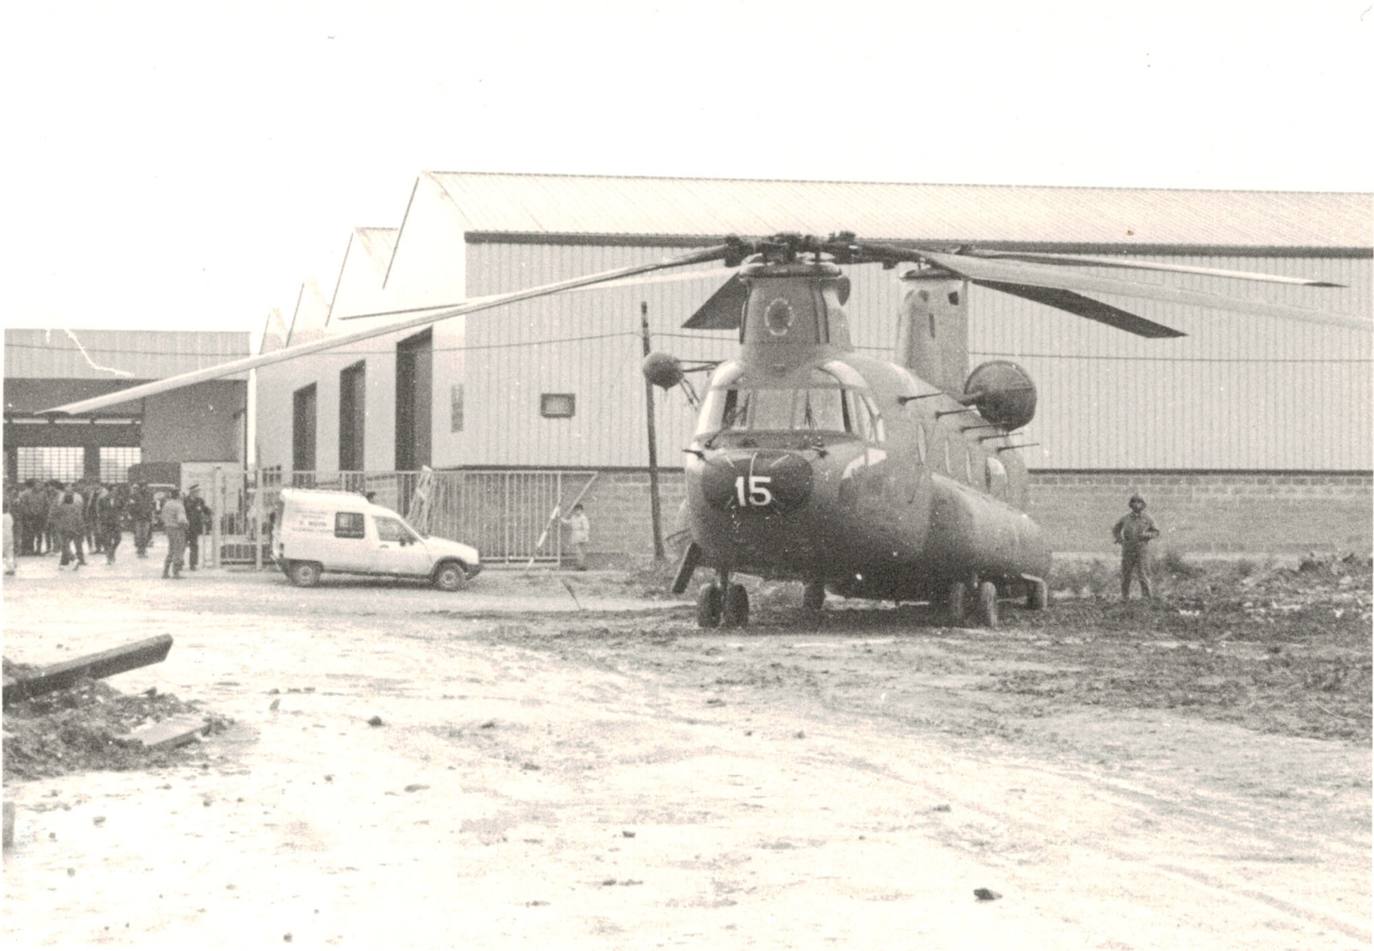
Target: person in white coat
[{"x": 579, "y": 534}]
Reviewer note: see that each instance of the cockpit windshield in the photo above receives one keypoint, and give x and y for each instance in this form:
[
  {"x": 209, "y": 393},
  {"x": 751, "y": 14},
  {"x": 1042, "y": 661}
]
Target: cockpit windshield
[{"x": 821, "y": 404}]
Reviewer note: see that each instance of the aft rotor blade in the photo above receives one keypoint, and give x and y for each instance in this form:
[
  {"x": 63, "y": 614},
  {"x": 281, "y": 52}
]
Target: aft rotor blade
[
  {"x": 1014, "y": 272},
  {"x": 1082, "y": 306},
  {"x": 722, "y": 310},
  {"x": 423, "y": 320},
  {"x": 1095, "y": 261}
]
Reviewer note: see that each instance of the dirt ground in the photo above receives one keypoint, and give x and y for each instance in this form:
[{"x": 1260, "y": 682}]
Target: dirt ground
[{"x": 552, "y": 760}]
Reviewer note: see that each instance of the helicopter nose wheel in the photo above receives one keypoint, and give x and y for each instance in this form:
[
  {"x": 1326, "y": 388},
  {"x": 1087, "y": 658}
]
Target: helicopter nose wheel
[
  {"x": 722, "y": 603},
  {"x": 709, "y": 605},
  {"x": 736, "y": 609}
]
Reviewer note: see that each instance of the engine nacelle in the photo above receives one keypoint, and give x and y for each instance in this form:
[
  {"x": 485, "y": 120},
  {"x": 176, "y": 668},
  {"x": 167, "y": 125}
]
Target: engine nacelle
[
  {"x": 1002, "y": 392},
  {"x": 662, "y": 369}
]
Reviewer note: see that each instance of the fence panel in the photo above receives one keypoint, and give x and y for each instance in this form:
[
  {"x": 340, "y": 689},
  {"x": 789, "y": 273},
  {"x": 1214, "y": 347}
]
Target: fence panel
[{"x": 501, "y": 513}]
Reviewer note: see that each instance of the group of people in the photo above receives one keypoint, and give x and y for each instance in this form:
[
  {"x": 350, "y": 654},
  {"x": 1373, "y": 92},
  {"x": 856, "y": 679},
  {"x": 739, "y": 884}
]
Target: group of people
[{"x": 68, "y": 519}]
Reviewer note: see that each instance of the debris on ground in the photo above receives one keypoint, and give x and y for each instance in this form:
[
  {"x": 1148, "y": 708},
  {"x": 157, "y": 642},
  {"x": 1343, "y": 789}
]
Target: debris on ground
[
  {"x": 1270, "y": 647},
  {"x": 1280, "y": 649},
  {"x": 22, "y": 681},
  {"x": 986, "y": 894},
  {"x": 87, "y": 726}
]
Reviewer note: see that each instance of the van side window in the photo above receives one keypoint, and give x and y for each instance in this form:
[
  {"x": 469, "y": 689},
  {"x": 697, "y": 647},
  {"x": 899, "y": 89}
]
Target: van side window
[{"x": 348, "y": 525}]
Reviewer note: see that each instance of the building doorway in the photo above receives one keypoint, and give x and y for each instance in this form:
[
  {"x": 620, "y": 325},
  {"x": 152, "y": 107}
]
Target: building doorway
[
  {"x": 303, "y": 429},
  {"x": 414, "y": 401}
]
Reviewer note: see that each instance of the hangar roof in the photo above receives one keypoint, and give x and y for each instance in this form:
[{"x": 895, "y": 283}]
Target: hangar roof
[
  {"x": 502, "y": 203},
  {"x": 116, "y": 354}
]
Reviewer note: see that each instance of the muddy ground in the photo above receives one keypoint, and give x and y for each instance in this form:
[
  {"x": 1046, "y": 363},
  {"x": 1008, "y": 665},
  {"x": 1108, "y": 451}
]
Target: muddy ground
[{"x": 521, "y": 764}]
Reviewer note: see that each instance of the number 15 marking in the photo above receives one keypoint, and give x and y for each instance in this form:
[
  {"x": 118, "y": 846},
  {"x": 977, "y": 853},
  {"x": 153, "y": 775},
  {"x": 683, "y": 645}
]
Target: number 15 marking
[{"x": 753, "y": 490}]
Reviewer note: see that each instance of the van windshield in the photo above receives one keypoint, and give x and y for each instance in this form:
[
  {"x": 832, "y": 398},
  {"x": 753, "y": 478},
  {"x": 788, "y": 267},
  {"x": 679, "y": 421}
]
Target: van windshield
[{"x": 394, "y": 530}]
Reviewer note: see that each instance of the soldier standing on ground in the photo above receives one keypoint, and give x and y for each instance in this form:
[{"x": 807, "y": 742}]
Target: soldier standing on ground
[
  {"x": 579, "y": 534},
  {"x": 174, "y": 523},
  {"x": 1133, "y": 533},
  {"x": 197, "y": 522}
]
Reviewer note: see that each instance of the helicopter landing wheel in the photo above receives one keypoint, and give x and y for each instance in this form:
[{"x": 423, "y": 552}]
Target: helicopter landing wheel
[
  {"x": 813, "y": 598},
  {"x": 956, "y": 603},
  {"x": 986, "y": 608},
  {"x": 709, "y": 602},
  {"x": 736, "y": 610},
  {"x": 1038, "y": 597}
]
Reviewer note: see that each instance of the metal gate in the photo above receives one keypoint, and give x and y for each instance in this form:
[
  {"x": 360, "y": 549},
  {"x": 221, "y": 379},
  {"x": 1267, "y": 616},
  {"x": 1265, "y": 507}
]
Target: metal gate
[{"x": 502, "y": 513}]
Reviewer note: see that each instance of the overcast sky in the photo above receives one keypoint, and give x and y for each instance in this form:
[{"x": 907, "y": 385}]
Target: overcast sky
[{"x": 169, "y": 166}]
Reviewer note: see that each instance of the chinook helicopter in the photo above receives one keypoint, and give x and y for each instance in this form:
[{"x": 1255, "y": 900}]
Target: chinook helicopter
[{"x": 883, "y": 479}]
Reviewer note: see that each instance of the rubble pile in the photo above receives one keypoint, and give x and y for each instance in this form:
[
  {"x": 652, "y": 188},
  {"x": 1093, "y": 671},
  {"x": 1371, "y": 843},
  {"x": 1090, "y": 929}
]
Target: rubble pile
[{"x": 86, "y": 727}]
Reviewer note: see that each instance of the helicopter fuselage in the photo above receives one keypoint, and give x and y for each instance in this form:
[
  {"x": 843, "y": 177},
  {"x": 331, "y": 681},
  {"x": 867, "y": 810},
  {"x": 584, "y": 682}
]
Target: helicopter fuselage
[{"x": 811, "y": 461}]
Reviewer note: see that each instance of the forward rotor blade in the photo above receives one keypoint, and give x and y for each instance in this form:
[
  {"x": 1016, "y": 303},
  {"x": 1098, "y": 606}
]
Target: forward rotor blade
[
  {"x": 1094, "y": 261},
  {"x": 1082, "y": 306},
  {"x": 423, "y": 320},
  {"x": 1013, "y": 272},
  {"x": 636, "y": 281}
]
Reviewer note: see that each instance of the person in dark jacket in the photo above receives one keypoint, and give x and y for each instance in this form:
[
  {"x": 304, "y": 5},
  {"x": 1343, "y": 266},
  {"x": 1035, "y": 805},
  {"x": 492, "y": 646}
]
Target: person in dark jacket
[
  {"x": 33, "y": 516},
  {"x": 68, "y": 519},
  {"x": 197, "y": 524},
  {"x": 54, "y": 533},
  {"x": 141, "y": 512},
  {"x": 107, "y": 518},
  {"x": 90, "y": 491}
]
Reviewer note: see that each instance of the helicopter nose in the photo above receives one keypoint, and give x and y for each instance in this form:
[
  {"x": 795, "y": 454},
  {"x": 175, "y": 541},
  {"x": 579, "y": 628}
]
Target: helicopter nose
[{"x": 759, "y": 480}]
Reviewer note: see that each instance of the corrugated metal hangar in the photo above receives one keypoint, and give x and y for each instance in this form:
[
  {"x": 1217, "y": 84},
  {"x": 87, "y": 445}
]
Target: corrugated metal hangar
[
  {"x": 554, "y": 383},
  {"x": 45, "y": 368}
]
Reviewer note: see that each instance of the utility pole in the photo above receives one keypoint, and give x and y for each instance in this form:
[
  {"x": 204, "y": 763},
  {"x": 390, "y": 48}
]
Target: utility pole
[{"x": 653, "y": 438}]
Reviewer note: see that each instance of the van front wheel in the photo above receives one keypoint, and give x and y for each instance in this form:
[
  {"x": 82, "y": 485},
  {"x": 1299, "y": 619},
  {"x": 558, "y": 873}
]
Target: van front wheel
[
  {"x": 450, "y": 576},
  {"x": 304, "y": 574}
]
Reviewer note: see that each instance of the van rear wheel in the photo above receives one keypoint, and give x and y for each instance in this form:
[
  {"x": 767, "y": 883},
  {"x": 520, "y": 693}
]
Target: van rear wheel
[
  {"x": 450, "y": 576},
  {"x": 305, "y": 574}
]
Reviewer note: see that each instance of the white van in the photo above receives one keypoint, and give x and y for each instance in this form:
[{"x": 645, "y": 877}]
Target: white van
[{"x": 318, "y": 531}]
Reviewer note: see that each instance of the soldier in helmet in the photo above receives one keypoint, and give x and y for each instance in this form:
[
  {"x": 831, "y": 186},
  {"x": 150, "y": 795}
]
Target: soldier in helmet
[{"x": 1133, "y": 532}]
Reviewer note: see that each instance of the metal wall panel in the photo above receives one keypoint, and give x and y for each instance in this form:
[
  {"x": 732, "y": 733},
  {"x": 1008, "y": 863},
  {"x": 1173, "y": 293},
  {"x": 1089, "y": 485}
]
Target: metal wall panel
[
  {"x": 1240, "y": 392},
  {"x": 627, "y": 205}
]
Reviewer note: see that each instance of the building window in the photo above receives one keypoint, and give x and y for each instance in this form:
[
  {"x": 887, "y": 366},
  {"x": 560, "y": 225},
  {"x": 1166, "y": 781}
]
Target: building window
[
  {"x": 116, "y": 460},
  {"x": 348, "y": 525},
  {"x": 455, "y": 408},
  {"x": 67, "y": 463},
  {"x": 352, "y": 417},
  {"x": 303, "y": 429},
  {"x": 557, "y": 405}
]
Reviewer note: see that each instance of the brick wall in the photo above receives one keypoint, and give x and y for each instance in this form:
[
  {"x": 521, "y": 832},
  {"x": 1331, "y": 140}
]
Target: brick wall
[
  {"x": 1204, "y": 512},
  {"x": 618, "y": 508},
  {"x": 1211, "y": 511}
]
